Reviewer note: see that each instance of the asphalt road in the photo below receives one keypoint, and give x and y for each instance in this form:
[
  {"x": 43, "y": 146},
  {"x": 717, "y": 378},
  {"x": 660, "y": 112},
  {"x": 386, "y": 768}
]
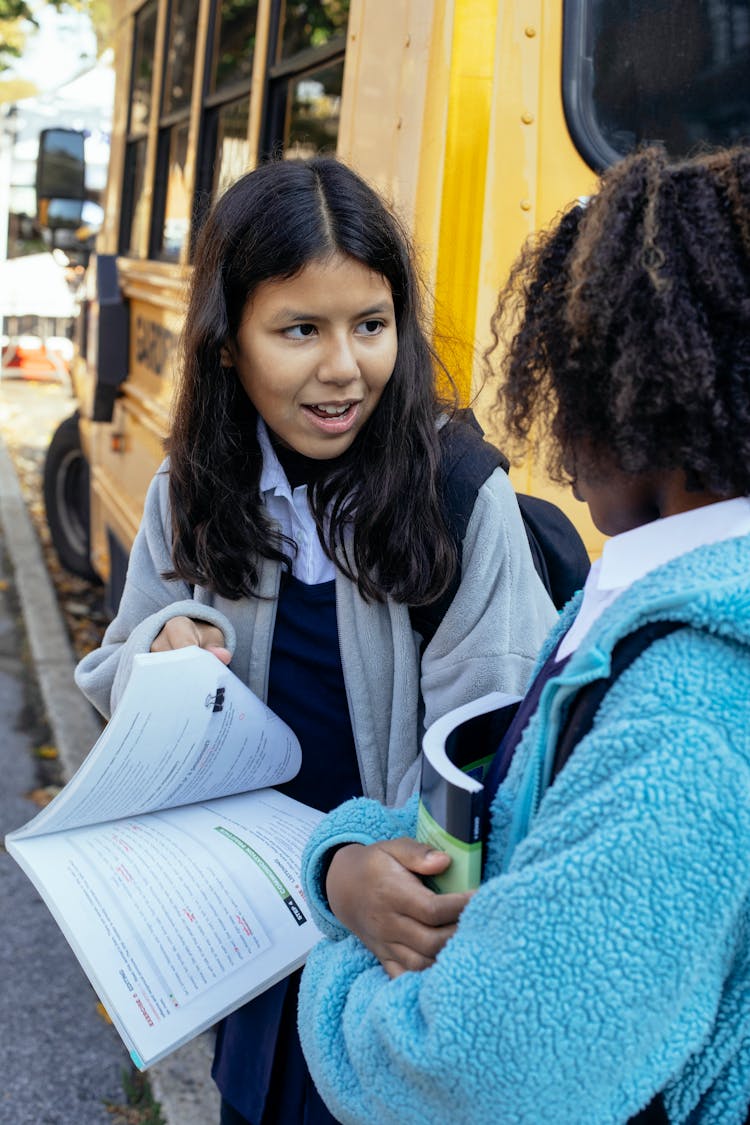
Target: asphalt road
[{"x": 61, "y": 1062}]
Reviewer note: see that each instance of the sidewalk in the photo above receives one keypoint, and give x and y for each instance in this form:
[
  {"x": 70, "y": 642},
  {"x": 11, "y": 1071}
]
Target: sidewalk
[{"x": 181, "y": 1083}]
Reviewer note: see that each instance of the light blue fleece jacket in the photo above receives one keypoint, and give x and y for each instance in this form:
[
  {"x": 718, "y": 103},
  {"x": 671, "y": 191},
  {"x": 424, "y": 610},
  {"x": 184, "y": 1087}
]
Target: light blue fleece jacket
[{"x": 606, "y": 956}]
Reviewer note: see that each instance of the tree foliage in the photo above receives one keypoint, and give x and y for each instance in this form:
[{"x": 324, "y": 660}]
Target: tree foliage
[
  {"x": 17, "y": 19},
  {"x": 102, "y": 15}
]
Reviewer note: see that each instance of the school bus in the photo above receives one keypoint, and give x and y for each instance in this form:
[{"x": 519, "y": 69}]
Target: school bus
[{"x": 477, "y": 119}]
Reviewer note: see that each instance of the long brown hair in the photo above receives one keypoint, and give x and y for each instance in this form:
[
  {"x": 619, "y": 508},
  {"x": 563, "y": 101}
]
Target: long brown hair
[{"x": 378, "y": 511}]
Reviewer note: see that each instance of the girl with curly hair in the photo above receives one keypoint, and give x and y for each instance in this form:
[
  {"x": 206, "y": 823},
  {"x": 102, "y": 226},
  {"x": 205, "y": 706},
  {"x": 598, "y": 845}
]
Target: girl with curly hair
[
  {"x": 301, "y": 520},
  {"x": 601, "y": 973}
]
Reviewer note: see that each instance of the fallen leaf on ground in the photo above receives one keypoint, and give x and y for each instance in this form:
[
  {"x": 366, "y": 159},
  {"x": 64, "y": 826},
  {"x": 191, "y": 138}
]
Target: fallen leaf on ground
[{"x": 42, "y": 796}]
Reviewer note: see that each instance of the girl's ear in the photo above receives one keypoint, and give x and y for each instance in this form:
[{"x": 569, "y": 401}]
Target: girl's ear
[{"x": 226, "y": 357}]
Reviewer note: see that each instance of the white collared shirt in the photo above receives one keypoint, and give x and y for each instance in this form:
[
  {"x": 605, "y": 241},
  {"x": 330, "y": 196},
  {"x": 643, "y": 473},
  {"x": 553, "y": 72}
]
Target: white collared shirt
[
  {"x": 290, "y": 509},
  {"x": 631, "y": 555}
]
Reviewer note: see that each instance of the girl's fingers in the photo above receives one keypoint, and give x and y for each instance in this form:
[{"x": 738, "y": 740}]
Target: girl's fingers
[
  {"x": 209, "y": 637},
  {"x": 179, "y": 632},
  {"x": 436, "y": 910},
  {"x": 414, "y": 956},
  {"x": 375, "y": 892},
  {"x": 416, "y": 857},
  {"x": 419, "y": 946}
]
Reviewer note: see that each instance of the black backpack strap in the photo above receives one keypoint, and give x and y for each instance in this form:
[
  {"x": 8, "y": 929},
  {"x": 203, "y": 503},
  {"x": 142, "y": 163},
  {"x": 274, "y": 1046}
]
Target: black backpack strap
[
  {"x": 557, "y": 550},
  {"x": 559, "y": 554},
  {"x": 655, "y": 1113},
  {"x": 578, "y": 723},
  {"x": 467, "y": 462},
  {"x": 584, "y": 706}
]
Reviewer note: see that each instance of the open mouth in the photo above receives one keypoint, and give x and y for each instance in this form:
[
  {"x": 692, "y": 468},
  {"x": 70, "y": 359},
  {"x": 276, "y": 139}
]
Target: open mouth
[
  {"x": 333, "y": 418},
  {"x": 331, "y": 410}
]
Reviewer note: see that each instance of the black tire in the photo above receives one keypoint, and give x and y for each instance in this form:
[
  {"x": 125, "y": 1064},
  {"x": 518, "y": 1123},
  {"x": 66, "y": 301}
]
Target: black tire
[{"x": 66, "y": 499}]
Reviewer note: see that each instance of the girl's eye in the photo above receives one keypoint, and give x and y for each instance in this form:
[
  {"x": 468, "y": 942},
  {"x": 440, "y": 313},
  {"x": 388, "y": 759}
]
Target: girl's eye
[
  {"x": 300, "y": 331},
  {"x": 370, "y": 327}
]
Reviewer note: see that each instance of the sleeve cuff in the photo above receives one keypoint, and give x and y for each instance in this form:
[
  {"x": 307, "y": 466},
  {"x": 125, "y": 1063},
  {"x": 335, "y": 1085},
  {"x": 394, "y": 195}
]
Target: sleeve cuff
[
  {"x": 144, "y": 635},
  {"x": 359, "y": 821}
]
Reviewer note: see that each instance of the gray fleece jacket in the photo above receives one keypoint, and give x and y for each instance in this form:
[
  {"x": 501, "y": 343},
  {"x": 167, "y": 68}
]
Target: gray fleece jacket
[{"x": 487, "y": 641}]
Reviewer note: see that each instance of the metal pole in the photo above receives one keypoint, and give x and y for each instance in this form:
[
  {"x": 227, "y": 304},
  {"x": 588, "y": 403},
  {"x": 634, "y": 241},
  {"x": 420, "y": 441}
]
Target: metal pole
[{"x": 7, "y": 139}]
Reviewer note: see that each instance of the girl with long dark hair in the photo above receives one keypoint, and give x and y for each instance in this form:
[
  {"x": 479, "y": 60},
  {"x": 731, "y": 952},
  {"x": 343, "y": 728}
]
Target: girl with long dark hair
[{"x": 300, "y": 525}]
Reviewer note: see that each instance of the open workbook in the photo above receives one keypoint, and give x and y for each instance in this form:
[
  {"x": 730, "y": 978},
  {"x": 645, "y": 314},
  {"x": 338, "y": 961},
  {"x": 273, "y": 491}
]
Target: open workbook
[
  {"x": 168, "y": 863},
  {"x": 457, "y": 751}
]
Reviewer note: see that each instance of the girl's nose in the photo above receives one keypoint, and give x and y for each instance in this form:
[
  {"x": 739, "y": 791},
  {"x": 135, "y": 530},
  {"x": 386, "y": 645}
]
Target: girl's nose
[{"x": 338, "y": 363}]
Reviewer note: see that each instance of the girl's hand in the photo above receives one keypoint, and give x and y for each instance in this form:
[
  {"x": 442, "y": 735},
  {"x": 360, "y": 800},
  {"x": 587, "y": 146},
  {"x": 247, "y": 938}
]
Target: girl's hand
[
  {"x": 375, "y": 890},
  {"x": 179, "y": 632}
]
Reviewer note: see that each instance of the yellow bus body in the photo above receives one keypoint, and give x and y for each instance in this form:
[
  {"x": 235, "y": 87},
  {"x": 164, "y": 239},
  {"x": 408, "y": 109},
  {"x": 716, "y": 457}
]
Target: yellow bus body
[{"x": 453, "y": 109}]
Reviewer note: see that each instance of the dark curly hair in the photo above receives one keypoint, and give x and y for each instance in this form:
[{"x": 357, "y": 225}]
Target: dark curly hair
[
  {"x": 634, "y": 342},
  {"x": 270, "y": 224}
]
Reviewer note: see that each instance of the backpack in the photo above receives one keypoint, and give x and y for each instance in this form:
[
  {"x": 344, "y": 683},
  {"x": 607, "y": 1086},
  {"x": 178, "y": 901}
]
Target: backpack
[
  {"x": 577, "y": 724},
  {"x": 557, "y": 550}
]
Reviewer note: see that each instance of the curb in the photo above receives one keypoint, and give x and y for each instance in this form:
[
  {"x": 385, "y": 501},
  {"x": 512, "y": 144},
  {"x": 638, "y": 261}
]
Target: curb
[
  {"x": 181, "y": 1083},
  {"x": 74, "y": 723}
]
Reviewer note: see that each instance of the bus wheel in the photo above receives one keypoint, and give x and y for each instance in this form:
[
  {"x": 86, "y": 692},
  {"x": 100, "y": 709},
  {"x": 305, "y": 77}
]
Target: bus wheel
[{"x": 66, "y": 499}]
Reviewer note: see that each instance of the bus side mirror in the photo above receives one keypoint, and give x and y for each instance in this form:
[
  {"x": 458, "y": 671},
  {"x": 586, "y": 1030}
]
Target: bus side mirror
[
  {"x": 56, "y": 213},
  {"x": 60, "y": 174}
]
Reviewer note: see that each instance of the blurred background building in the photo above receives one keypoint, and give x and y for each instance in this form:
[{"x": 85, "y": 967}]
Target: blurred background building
[{"x": 59, "y": 80}]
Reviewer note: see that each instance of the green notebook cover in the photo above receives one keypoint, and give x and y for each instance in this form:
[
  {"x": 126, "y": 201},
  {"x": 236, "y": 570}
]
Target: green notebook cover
[{"x": 457, "y": 751}]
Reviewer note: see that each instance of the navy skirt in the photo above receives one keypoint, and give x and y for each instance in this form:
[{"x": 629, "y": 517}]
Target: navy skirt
[{"x": 276, "y": 1088}]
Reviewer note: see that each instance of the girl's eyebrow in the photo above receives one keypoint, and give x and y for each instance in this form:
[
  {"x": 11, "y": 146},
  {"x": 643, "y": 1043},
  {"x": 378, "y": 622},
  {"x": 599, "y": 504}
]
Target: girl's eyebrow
[{"x": 283, "y": 316}]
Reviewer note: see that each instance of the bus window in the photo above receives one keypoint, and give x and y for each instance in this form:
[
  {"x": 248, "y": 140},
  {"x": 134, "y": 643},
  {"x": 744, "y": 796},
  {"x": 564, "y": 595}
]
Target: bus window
[
  {"x": 305, "y": 78},
  {"x": 673, "y": 71},
  {"x": 133, "y": 204},
  {"x": 234, "y": 43},
  {"x": 177, "y": 200},
  {"x": 133, "y": 210},
  {"x": 314, "y": 107},
  {"x": 172, "y": 207},
  {"x": 182, "y": 150},
  {"x": 305, "y": 25},
  {"x": 143, "y": 67},
  {"x": 226, "y": 122},
  {"x": 232, "y": 146},
  {"x": 178, "y": 79},
  {"x": 304, "y": 87}
]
